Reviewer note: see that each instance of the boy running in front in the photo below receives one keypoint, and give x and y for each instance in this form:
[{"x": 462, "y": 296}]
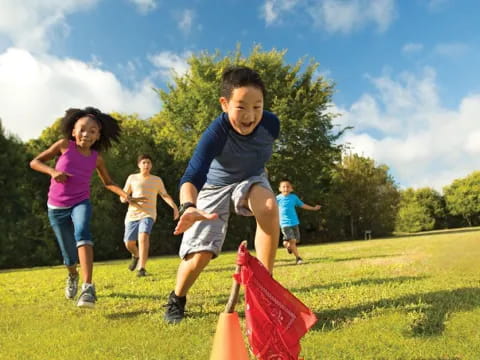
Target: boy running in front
[{"x": 228, "y": 165}]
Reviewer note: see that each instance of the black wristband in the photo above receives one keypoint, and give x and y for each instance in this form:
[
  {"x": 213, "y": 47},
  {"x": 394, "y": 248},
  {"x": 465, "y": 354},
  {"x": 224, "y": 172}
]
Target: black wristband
[{"x": 185, "y": 206}]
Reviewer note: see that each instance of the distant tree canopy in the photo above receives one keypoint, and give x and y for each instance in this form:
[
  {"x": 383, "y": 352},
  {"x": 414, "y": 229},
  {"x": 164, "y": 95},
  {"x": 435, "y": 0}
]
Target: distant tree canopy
[
  {"x": 363, "y": 196},
  {"x": 420, "y": 210},
  {"x": 462, "y": 198}
]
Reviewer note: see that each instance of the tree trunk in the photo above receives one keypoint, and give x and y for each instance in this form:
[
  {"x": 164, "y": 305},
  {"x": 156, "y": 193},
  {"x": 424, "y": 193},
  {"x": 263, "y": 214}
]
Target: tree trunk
[
  {"x": 352, "y": 228},
  {"x": 469, "y": 221}
]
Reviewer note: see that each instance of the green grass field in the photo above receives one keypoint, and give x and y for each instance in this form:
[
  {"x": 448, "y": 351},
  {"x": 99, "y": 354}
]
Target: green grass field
[{"x": 414, "y": 297}]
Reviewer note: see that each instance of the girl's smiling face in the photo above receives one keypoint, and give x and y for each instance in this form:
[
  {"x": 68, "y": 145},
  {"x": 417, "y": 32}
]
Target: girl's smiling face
[
  {"x": 86, "y": 132},
  {"x": 244, "y": 108}
]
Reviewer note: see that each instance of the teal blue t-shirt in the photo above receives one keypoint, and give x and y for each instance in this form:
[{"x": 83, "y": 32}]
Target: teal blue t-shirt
[{"x": 286, "y": 205}]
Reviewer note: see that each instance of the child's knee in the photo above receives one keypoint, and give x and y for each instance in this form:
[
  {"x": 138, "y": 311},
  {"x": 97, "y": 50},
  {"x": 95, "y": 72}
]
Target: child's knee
[
  {"x": 268, "y": 211},
  {"x": 199, "y": 259},
  {"x": 130, "y": 245}
]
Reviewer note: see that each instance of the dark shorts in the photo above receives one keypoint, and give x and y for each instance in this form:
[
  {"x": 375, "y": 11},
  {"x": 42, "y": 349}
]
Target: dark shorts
[{"x": 291, "y": 233}]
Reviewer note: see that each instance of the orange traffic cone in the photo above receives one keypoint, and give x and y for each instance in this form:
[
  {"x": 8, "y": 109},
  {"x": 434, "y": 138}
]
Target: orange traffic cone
[{"x": 228, "y": 342}]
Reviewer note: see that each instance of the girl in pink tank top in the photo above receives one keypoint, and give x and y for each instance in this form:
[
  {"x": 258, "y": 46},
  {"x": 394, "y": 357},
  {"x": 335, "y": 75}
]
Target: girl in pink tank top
[{"x": 87, "y": 132}]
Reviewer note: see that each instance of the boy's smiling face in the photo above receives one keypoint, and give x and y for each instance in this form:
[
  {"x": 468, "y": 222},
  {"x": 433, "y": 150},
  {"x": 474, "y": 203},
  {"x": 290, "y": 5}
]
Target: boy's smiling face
[
  {"x": 285, "y": 188},
  {"x": 244, "y": 108}
]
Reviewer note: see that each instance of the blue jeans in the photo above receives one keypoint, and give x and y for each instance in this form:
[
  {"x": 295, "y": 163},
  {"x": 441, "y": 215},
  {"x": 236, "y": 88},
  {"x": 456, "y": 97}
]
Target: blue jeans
[{"x": 72, "y": 229}]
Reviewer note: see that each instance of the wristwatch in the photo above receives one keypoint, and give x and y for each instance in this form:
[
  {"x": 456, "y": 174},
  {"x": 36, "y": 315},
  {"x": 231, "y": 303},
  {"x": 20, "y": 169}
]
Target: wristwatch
[{"x": 185, "y": 206}]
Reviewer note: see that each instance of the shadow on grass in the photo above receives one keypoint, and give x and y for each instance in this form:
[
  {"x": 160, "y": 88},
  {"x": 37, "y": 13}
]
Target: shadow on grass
[
  {"x": 307, "y": 261},
  {"x": 435, "y": 232},
  {"x": 354, "y": 258},
  {"x": 212, "y": 268},
  {"x": 136, "y": 296},
  {"x": 201, "y": 314},
  {"x": 126, "y": 315},
  {"x": 362, "y": 282},
  {"x": 428, "y": 311}
]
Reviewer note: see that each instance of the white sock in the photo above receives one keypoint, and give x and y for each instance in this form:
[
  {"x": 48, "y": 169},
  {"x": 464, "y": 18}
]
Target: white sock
[{"x": 86, "y": 286}]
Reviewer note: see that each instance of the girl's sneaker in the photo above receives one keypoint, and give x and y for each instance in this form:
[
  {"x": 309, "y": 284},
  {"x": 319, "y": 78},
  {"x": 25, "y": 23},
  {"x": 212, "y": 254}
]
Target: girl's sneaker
[
  {"x": 87, "y": 297},
  {"x": 299, "y": 261},
  {"x": 72, "y": 286}
]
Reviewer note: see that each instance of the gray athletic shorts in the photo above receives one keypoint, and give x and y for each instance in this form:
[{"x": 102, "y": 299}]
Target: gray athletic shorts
[
  {"x": 209, "y": 235},
  {"x": 291, "y": 233}
]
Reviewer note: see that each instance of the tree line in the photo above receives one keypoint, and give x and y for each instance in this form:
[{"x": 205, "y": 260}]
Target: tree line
[{"x": 356, "y": 194}]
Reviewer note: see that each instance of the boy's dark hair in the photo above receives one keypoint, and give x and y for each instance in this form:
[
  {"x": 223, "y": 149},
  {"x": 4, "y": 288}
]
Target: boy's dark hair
[
  {"x": 144, "y": 156},
  {"x": 285, "y": 180},
  {"x": 238, "y": 76},
  {"x": 109, "y": 126}
]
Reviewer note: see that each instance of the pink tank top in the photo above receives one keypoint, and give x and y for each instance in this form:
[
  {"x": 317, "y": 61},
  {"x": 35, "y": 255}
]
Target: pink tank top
[{"x": 77, "y": 187}]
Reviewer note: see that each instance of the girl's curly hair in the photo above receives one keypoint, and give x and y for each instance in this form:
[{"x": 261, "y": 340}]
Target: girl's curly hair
[{"x": 109, "y": 126}]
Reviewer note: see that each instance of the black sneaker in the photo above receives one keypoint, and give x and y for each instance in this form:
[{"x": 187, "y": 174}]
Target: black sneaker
[
  {"x": 299, "y": 261},
  {"x": 289, "y": 250},
  {"x": 133, "y": 263},
  {"x": 142, "y": 272},
  {"x": 175, "y": 308}
]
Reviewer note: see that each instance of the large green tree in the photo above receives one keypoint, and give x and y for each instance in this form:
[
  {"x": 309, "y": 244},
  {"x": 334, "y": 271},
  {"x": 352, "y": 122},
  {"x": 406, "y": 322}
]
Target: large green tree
[{"x": 306, "y": 150}]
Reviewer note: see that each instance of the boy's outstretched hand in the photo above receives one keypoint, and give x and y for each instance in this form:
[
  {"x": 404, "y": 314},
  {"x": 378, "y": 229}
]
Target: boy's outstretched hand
[{"x": 191, "y": 215}]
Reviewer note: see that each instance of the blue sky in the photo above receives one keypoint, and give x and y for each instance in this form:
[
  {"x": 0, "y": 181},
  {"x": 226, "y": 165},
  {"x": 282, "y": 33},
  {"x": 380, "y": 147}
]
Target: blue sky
[{"x": 406, "y": 72}]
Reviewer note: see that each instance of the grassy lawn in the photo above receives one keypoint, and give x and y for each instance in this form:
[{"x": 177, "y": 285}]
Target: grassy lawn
[{"x": 415, "y": 297}]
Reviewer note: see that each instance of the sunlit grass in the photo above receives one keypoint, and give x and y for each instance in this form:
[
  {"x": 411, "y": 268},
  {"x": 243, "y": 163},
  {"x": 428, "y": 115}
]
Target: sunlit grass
[{"x": 412, "y": 297}]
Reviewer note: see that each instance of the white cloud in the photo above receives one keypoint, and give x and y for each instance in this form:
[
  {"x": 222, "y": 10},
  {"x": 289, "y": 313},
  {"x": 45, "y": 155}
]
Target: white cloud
[
  {"x": 167, "y": 61},
  {"x": 28, "y": 24},
  {"x": 186, "y": 21},
  {"x": 411, "y": 48},
  {"x": 342, "y": 16},
  {"x": 405, "y": 126},
  {"x": 472, "y": 145},
  {"x": 346, "y": 16},
  {"x": 36, "y": 90},
  {"x": 272, "y": 9},
  {"x": 144, "y": 6},
  {"x": 455, "y": 49}
]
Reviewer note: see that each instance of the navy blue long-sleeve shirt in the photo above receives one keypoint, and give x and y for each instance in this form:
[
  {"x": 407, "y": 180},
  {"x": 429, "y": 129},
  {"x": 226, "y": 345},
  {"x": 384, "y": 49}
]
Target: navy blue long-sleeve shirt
[{"x": 224, "y": 157}]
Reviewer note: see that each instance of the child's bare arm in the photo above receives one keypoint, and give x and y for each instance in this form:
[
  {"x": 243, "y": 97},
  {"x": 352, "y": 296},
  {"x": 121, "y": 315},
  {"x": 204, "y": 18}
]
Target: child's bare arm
[
  {"x": 39, "y": 162},
  {"x": 110, "y": 185},
  {"x": 128, "y": 189},
  {"x": 312, "y": 208},
  {"x": 168, "y": 199}
]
